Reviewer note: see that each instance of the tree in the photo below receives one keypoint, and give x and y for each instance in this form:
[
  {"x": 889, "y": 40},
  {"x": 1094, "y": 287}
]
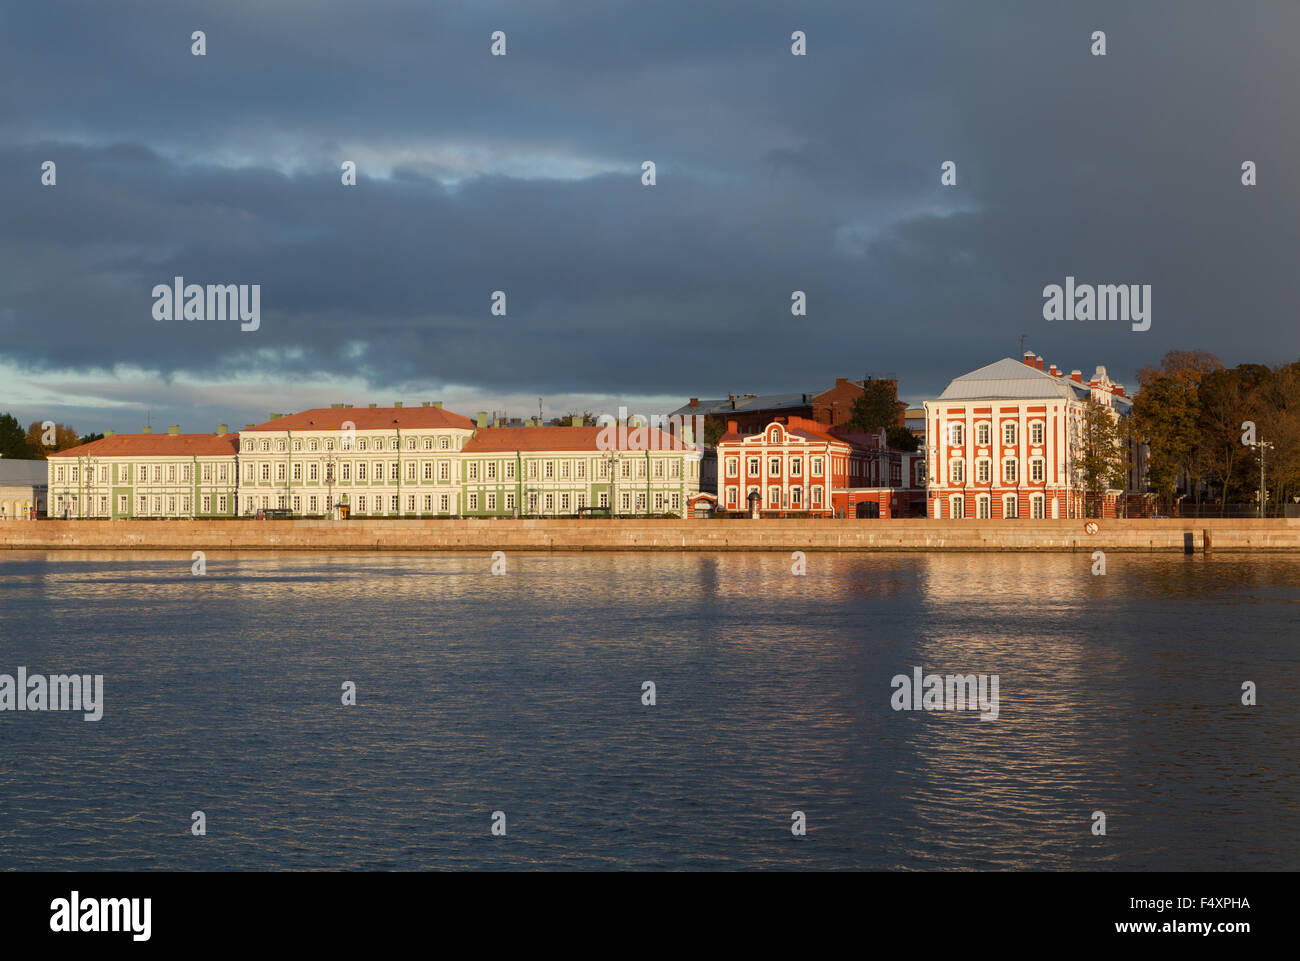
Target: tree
[
  {"x": 1227, "y": 398},
  {"x": 900, "y": 437},
  {"x": 1187, "y": 367},
  {"x": 1279, "y": 424},
  {"x": 64, "y": 437},
  {"x": 878, "y": 407},
  {"x": 1102, "y": 457},
  {"x": 13, "y": 443},
  {"x": 1165, "y": 413},
  {"x": 713, "y": 431},
  {"x": 89, "y": 438}
]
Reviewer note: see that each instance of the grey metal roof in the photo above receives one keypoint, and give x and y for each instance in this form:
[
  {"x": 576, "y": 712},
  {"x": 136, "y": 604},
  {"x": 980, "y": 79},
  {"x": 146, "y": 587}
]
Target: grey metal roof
[
  {"x": 1009, "y": 379},
  {"x": 23, "y": 473}
]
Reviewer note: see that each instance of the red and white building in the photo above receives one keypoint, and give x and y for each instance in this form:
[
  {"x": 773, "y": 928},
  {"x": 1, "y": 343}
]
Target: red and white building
[
  {"x": 796, "y": 466},
  {"x": 1004, "y": 441}
]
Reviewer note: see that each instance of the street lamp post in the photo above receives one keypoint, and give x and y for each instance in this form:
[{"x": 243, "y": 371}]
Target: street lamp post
[
  {"x": 329, "y": 482},
  {"x": 1262, "y": 446},
  {"x": 611, "y": 460}
]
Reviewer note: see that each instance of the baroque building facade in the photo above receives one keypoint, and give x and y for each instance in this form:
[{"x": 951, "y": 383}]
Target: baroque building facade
[
  {"x": 795, "y": 467},
  {"x": 1005, "y": 442}
]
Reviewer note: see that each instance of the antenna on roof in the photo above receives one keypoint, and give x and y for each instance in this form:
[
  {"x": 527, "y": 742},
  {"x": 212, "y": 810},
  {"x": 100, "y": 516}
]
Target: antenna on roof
[{"x": 1022, "y": 345}]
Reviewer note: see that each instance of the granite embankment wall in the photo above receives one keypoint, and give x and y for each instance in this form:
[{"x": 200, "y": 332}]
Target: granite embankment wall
[{"x": 1182, "y": 536}]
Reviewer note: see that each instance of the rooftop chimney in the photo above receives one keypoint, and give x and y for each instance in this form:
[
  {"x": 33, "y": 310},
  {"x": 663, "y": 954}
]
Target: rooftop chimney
[
  {"x": 371, "y": 406},
  {"x": 173, "y": 429},
  {"x": 222, "y": 429},
  {"x": 695, "y": 402},
  {"x": 336, "y": 406},
  {"x": 1029, "y": 358},
  {"x": 1038, "y": 363},
  {"x": 732, "y": 428},
  {"x": 397, "y": 403},
  {"x": 575, "y": 420},
  {"x": 109, "y": 433},
  {"x": 1076, "y": 376},
  {"x": 482, "y": 418},
  {"x": 1053, "y": 371},
  {"x": 424, "y": 403},
  {"x": 436, "y": 403},
  {"x": 146, "y": 429}
]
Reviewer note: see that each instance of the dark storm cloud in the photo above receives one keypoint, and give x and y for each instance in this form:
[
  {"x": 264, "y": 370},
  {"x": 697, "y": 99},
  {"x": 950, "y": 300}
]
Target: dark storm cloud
[{"x": 521, "y": 173}]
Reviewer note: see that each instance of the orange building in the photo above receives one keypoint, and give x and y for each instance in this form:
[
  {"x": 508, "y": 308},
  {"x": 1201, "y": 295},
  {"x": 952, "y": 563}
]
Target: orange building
[
  {"x": 797, "y": 467},
  {"x": 1004, "y": 442}
]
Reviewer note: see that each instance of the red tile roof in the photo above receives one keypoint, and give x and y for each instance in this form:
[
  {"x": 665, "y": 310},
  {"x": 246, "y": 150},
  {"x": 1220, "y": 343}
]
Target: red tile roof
[
  {"x": 155, "y": 445},
  {"x": 368, "y": 418},
  {"x": 494, "y": 439}
]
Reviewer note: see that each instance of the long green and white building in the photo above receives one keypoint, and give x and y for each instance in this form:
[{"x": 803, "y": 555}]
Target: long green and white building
[{"x": 377, "y": 462}]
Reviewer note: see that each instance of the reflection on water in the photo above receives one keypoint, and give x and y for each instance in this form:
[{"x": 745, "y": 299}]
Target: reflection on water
[{"x": 522, "y": 693}]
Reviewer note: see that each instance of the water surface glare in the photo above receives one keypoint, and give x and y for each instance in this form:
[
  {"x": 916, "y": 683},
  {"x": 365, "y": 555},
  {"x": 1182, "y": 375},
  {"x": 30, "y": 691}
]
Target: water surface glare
[{"x": 522, "y": 693}]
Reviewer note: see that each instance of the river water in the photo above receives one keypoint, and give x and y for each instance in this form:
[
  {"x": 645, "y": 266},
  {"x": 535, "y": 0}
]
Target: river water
[{"x": 522, "y": 693}]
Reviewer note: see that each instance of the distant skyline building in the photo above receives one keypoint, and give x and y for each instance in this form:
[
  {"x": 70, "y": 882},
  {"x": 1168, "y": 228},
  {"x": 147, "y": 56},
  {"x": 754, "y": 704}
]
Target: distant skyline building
[{"x": 753, "y": 412}]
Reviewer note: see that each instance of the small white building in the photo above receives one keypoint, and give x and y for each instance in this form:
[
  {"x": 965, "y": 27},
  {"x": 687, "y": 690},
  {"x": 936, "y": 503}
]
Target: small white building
[{"x": 22, "y": 489}]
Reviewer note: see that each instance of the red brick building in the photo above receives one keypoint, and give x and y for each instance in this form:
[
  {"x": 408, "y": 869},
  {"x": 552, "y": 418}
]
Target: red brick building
[
  {"x": 796, "y": 467},
  {"x": 752, "y": 412}
]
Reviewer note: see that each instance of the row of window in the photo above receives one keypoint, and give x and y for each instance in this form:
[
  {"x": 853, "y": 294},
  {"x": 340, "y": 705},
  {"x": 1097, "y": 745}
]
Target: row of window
[
  {"x": 1010, "y": 433},
  {"x": 984, "y": 506},
  {"x": 145, "y": 505},
  {"x": 984, "y": 470},
  {"x": 347, "y": 471},
  {"x": 549, "y": 503},
  {"x": 778, "y": 497},
  {"x": 659, "y": 468},
  {"x": 774, "y": 466},
  {"x": 348, "y": 443},
  {"x": 539, "y": 502},
  {"x": 160, "y": 473}
]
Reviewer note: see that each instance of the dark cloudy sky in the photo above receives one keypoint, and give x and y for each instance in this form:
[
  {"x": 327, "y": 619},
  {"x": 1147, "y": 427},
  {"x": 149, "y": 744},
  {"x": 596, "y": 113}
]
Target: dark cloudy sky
[{"x": 522, "y": 173}]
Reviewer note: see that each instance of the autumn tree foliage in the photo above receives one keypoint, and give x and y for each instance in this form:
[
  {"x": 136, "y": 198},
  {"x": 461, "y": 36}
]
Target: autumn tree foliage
[{"x": 1193, "y": 413}]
